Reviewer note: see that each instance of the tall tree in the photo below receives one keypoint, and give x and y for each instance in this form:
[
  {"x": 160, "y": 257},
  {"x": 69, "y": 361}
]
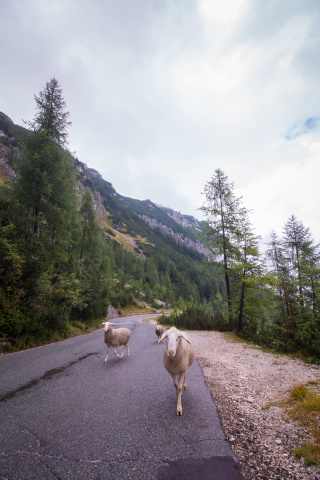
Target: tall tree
[
  {"x": 89, "y": 226},
  {"x": 279, "y": 269},
  {"x": 51, "y": 117},
  {"x": 44, "y": 194},
  {"x": 251, "y": 272},
  {"x": 297, "y": 241},
  {"x": 224, "y": 212},
  {"x": 45, "y": 211}
]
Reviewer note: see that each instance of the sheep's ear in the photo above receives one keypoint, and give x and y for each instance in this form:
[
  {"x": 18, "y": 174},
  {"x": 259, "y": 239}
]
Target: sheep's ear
[
  {"x": 185, "y": 337},
  {"x": 163, "y": 336}
]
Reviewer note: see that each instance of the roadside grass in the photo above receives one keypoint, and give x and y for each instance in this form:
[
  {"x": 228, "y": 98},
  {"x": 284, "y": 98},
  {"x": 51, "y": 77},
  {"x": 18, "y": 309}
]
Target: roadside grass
[
  {"x": 73, "y": 329},
  {"x": 303, "y": 405}
]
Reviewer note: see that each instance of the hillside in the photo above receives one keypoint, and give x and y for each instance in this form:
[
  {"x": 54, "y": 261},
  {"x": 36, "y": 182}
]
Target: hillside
[
  {"x": 123, "y": 215},
  {"x": 148, "y": 252}
]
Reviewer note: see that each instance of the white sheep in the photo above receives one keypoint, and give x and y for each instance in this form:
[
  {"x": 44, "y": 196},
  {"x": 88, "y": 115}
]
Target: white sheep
[
  {"x": 178, "y": 355},
  {"x": 159, "y": 332},
  {"x": 115, "y": 338}
]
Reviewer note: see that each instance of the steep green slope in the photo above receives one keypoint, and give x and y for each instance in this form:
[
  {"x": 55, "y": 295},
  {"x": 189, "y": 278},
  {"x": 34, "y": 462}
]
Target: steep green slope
[{"x": 147, "y": 250}]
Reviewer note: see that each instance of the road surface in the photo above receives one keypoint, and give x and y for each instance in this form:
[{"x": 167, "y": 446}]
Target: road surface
[{"x": 65, "y": 414}]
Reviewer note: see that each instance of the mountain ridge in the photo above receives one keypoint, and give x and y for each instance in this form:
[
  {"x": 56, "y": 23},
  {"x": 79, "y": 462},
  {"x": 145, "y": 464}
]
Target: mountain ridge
[{"x": 113, "y": 208}]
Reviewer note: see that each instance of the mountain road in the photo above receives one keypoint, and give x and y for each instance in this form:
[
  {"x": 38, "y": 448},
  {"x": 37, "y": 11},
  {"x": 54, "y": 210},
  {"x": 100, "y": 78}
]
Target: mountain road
[{"x": 65, "y": 414}]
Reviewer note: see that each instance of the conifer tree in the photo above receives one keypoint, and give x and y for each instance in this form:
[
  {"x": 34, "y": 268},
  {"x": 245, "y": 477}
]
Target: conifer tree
[
  {"x": 89, "y": 226},
  {"x": 52, "y": 117},
  {"x": 251, "y": 272},
  {"x": 44, "y": 209},
  {"x": 224, "y": 213},
  {"x": 296, "y": 242}
]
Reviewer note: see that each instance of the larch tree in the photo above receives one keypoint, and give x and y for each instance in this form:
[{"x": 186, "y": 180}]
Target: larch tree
[
  {"x": 51, "y": 117},
  {"x": 46, "y": 186},
  {"x": 279, "y": 269},
  {"x": 297, "y": 241},
  {"x": 45, "y": 206},
  {"x": 249, "y": 266},
  {"x": 224, "y": 212}
]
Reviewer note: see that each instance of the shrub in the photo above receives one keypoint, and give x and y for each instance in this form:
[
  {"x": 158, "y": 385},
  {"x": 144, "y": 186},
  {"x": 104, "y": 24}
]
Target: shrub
[{"x": 196, "y": 318}]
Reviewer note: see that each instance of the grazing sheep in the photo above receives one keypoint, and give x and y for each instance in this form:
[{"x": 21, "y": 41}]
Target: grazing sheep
[
  {"x": 178, "y": 355},
  {"x": 115, "y": 338},
  {"x": 159, "y": 332}
]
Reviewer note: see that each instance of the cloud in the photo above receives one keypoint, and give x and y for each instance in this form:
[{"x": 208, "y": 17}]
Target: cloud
[{"x": 163, "y": 93}]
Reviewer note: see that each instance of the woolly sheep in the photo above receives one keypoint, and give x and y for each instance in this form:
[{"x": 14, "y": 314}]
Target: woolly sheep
[
  {"x": 178, "y": 355},
  {"x": 115, "y": 338},
  {"x": 159, "y": 332}
]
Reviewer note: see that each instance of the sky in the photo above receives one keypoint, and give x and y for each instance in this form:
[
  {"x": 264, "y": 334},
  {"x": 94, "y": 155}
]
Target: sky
[{"x": 161, "y": 93}]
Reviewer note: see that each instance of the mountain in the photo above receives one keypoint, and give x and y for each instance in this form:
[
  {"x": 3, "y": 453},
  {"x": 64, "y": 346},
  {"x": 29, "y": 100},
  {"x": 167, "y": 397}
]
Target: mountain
[
  {"x": 89, "y": 248},
  {"x": 133, "y": 223},
  {"x": 135, "y": 217}
]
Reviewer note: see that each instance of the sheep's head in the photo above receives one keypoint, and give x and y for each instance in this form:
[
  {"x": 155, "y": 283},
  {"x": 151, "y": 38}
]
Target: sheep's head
[
  {"x": 107, "y": 325},
  {"x": 173, "y": 336}
]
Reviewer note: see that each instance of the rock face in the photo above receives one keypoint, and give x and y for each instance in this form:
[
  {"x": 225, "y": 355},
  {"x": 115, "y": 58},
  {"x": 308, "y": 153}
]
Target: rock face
[
  {"x": 179, "y": 237},
  {"x": 112, "y": 313},
  {"x": 5, "y": 168},
  {"x": 187, "y": 221}
]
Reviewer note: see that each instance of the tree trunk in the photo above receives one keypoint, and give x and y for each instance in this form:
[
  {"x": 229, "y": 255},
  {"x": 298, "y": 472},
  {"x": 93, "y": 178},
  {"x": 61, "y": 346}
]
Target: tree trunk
[{"x": 240, "y": 317}]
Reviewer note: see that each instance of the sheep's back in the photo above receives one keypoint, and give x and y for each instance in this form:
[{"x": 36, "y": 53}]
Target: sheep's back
[{"x": 117, "y": 337}]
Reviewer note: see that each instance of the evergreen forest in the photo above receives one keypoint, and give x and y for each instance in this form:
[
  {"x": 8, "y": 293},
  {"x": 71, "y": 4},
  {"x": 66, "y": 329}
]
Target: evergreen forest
[{"x": 71, "y": 247}]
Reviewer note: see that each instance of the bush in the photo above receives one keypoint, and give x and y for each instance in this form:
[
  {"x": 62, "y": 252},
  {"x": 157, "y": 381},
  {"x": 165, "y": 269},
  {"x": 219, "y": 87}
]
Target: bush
[{"x": 196, "y": 318}]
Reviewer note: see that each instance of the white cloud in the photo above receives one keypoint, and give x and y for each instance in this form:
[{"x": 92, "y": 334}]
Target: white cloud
[{"x": 163, "y": 93}]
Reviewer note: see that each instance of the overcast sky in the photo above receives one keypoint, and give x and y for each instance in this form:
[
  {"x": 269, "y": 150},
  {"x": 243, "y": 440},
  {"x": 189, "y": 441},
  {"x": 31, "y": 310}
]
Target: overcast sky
[{"x": 161, "y": 93}]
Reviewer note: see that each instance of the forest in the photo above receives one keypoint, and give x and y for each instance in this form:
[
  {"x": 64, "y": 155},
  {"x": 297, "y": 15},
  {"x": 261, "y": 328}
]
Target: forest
[{"x": 61, "y": 265}]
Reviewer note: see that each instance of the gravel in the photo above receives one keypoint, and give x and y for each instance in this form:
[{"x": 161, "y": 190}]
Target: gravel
[{"x": 243, "y": 381}]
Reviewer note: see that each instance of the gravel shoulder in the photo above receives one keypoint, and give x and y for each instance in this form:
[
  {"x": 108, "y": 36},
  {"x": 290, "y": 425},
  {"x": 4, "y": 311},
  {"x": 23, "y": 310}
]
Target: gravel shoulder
[{"x": 244, "y": 380}]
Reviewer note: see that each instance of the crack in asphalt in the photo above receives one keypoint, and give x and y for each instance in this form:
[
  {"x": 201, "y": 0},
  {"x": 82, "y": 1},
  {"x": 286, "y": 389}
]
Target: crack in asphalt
[{"x": 47, "y": 376}]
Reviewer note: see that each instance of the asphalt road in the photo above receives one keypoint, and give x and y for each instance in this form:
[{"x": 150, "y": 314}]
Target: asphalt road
[{"x": 65, "y": 414}]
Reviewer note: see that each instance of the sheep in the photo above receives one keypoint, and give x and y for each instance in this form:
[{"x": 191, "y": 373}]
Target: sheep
[
  {"x": 178, "y": 355},
  {"x": 159, "y": 332},
  {"x": 115, "y": 338}
]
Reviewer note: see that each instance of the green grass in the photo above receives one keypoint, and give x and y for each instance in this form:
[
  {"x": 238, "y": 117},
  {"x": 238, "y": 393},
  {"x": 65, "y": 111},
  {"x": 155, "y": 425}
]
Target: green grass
[{"x": 304, "y": 406}]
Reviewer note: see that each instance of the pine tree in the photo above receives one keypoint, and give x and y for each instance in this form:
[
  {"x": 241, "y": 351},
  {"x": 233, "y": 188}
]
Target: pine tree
[
  {"x": 297, "y": 241},
  {"x": 44, "y": 209},
  {"x": 224, "y": 212},
  {"x": 251, "y": 271},
  {"x": 51, "y": 117},
  {"x": 44, "y": 194},
  {"x": 279, "y": 269},
  {"x": 89, "y": 225}
]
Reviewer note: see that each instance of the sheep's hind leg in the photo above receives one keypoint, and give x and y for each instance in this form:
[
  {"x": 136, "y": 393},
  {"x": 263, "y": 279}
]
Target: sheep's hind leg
[
  {"x": 125, "y": 347},
  {"x": 106, "y": 359},
  {"x": 117, "y": 354}
]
